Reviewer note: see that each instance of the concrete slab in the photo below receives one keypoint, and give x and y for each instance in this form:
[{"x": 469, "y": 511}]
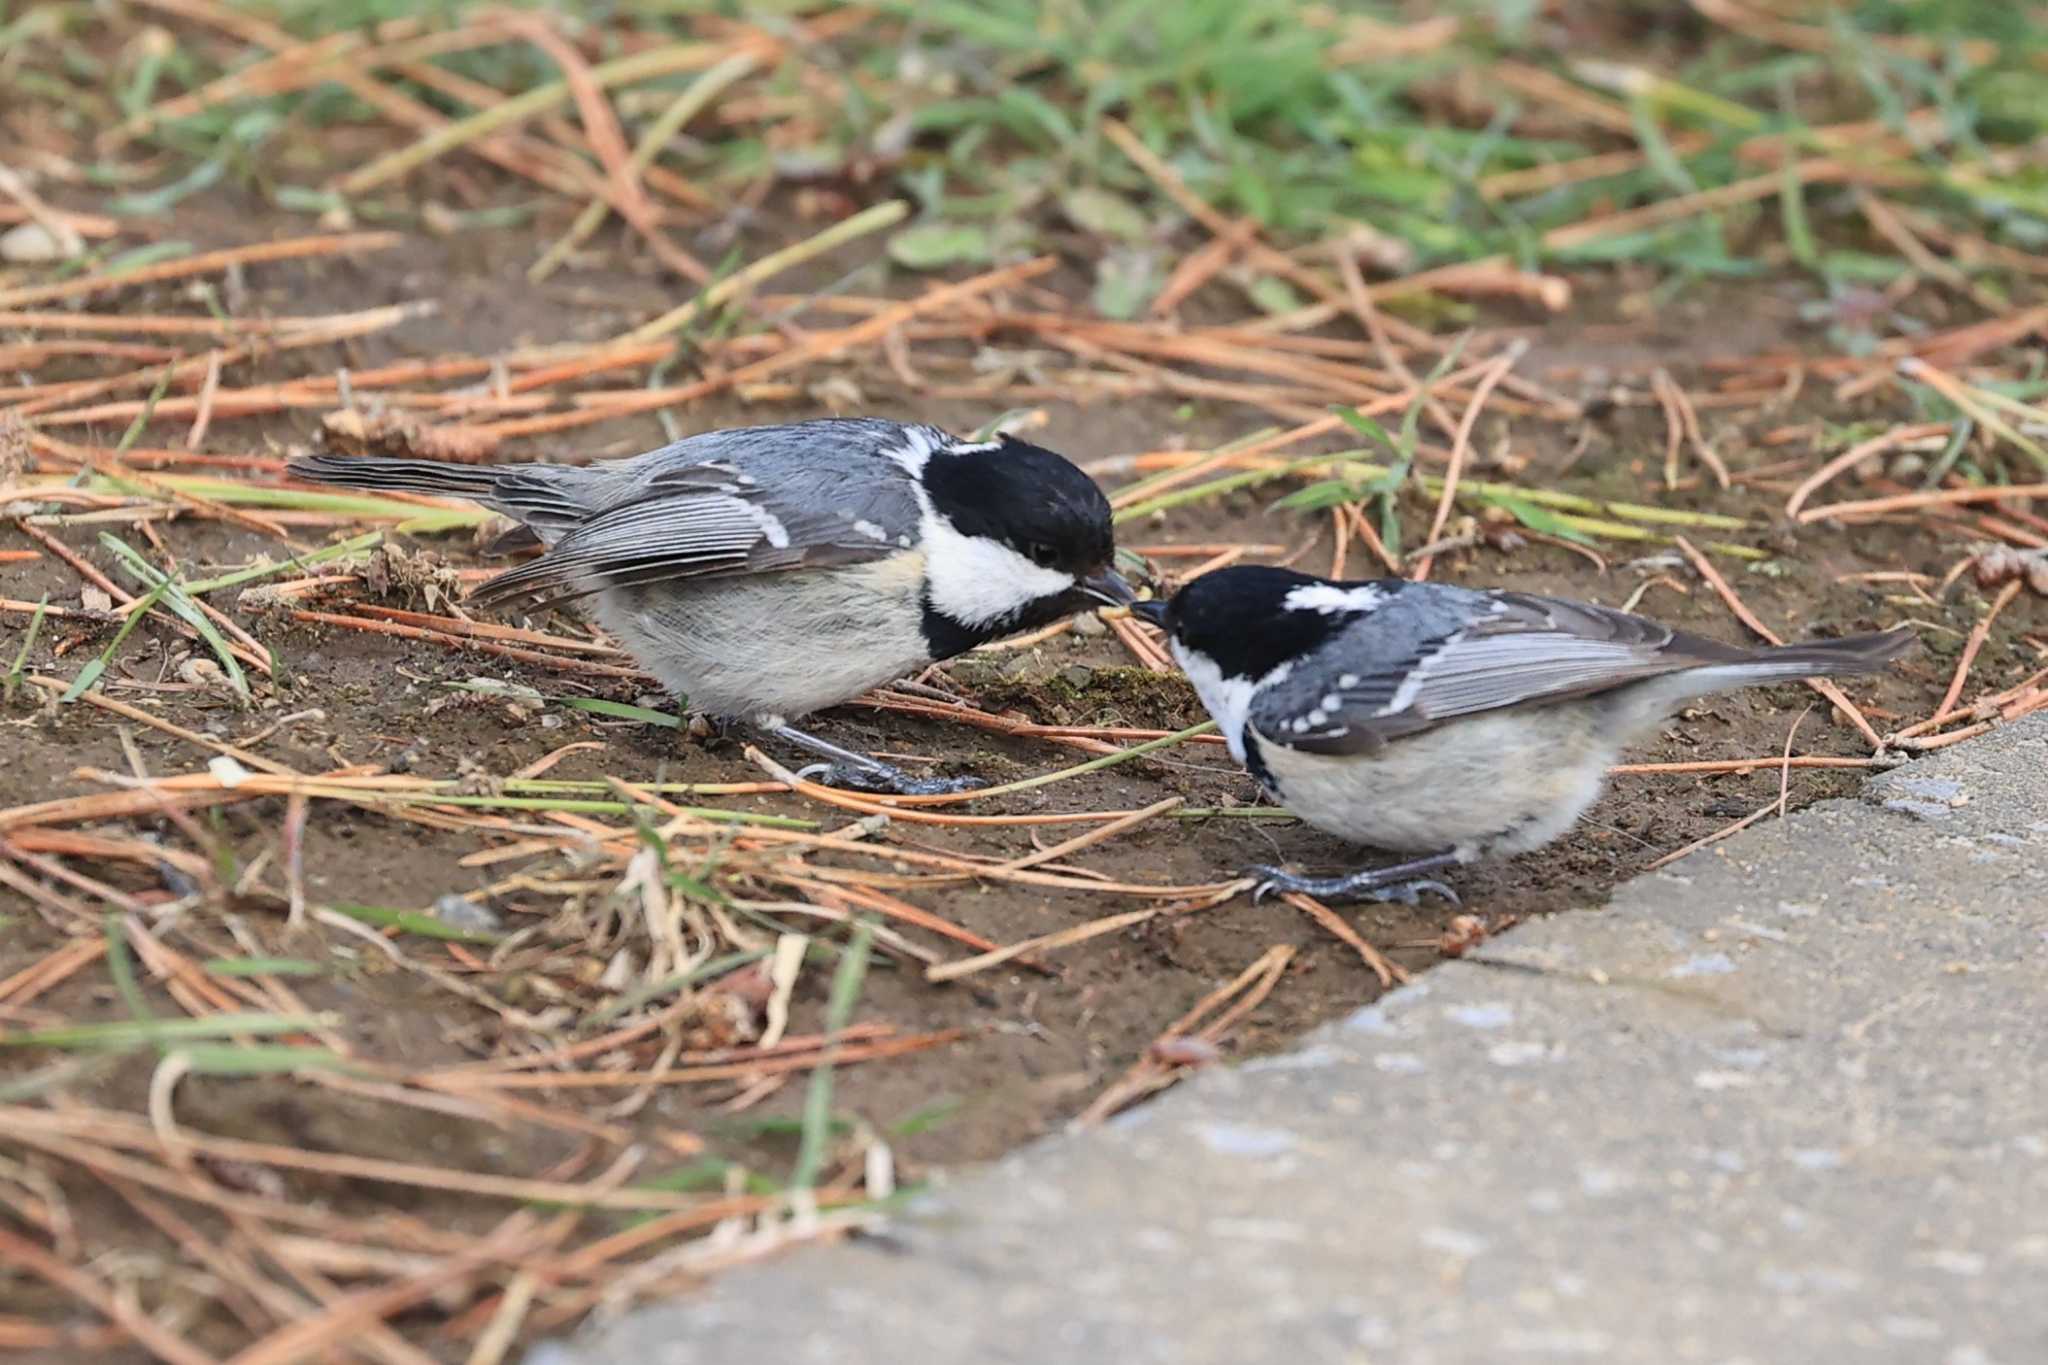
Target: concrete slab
[{"x": 1784, "y": 1101}]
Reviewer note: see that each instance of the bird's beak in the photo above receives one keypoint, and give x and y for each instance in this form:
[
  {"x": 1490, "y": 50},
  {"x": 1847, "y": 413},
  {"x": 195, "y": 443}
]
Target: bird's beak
[
  {"x": 1152, "y": 611},
  {"x": 1108, "y": 587}
]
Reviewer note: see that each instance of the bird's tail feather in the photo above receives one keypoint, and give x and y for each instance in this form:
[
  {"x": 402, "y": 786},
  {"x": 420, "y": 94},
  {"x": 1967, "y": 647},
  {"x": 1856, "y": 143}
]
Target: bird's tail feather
[
  {"x": 1816, "y": 658},
  {"x": 549, "y": 499},
  {"x": 444, "y": 479},
  {"x": 1780, "y": 663},
  {"x": 1642, "y": 706}
]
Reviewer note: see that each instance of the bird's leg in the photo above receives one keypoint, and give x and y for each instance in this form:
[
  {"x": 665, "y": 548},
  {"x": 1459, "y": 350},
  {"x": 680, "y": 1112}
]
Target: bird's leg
[
  {"x": 862, "y": 773},
  {"x": 1403, "y": 882}
]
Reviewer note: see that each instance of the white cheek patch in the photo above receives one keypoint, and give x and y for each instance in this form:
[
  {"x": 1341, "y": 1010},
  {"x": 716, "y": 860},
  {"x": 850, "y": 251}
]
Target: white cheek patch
[
  {"x": 976, "y": 581},
  {"x": 1329, "y": 599},
  {"x": 1228, "y": 700}
]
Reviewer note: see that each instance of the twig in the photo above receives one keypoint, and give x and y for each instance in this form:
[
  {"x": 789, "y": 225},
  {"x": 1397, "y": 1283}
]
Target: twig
[
  {"x": 331, "y": 244},
  {"x": 1148, "y": 1074},
  {"x": 467, "y": 641},
  {"x": 1856, "y": 455},
  {"x": 602, "y": 132},
  {"x": 656, "y": 138},
  {"x": 1684, "y": 419},
  {"x": 774, "y": 263},
  {"x": 1978, "y": 635},
  {"x": 1389, "y": 973},
  {"x": 1460, "y": 443},
  {"x": 127, "y": 1133},
  {"x": 649, "y": 65},
  {"x": 297, "y": 1340},
  {"x": 142, "y": 717},
  {"x": 209, "y": 389},
  {"x": 686, "y": 1075},
  {"x": 1784, "y": 791},
  {"x": 116, "y": 1308},
  {"x": 1933, "y": 497}
]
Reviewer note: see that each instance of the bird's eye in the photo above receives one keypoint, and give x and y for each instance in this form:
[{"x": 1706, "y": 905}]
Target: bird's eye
[{"x": 1042, "y": 554}]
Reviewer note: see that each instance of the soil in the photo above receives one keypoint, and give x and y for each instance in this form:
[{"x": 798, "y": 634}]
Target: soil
[{"x": 1035, "y": 1048}]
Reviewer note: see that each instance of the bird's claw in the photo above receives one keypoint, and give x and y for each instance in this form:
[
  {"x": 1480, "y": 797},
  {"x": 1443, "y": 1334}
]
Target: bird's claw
[
  {"x": 1410, "y": 892},
  {"x": 1366, "y": 885},
  {"x": 1269, "y": 880},
  {"x": 885, "y": 780}
]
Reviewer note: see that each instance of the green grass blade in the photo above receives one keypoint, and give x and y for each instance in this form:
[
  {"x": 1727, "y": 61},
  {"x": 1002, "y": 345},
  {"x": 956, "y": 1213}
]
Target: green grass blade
[
  {"x": 682, "y": 981},
  {"x": 165, "y": 1032},
  {"x": 121, "y": 966},
  {"x": 621, "y": 710},
  {"x": 273, "y": 1059},
  {"x": 1366, "y": 427},
  {"x": 182, "y": 606},
  {"x": 90, "y": 674},
  {"x": 413, "y": 922},
  {"x": 846, "y": 983},
  {"x": 1540, "y": 519},
  {"x": 1181, "y": 497},
  {"x": 28, "y": 642},
  {"x": 135, "y": 428},
  {"x": 1798, "y": 230},
  {"x": 369, "y": 540},
  {"x": 263, "y": 966}
]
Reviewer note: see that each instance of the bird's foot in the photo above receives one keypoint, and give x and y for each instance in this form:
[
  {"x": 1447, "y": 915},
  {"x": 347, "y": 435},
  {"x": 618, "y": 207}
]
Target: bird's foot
[
  {"x": 1371, "y": 885},
  {"x": 886, "y": 780},
  {"x": 858, "y": 772}
]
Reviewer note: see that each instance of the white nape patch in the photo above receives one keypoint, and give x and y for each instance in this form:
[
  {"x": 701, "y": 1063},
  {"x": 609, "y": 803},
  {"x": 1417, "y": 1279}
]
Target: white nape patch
[
  {"x": 1348, "y": 680},
  {"x": 1227, "y": 700},
  {"x": 920, "y": 443},
  {"x": 772, "y": 529},
  {"x": 870, "y": 530},
  {"x": 975, "y": 580},
  {"x": 1329, "y": 599}
]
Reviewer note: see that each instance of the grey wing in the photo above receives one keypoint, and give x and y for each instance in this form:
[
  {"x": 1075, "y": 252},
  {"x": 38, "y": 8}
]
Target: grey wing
[
  {"x": 712, "y": 518},
  {"x": 1467, "y": 653}
]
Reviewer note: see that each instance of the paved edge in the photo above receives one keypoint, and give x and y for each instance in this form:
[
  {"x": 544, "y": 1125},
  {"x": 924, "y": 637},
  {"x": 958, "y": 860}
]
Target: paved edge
[{"x": 1785, "y": 1100}]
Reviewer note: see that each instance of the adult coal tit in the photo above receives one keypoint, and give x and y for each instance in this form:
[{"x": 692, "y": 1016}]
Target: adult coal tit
[
  {"x": 1455, "y": 724},
  {"x": 765, "y": 572}
]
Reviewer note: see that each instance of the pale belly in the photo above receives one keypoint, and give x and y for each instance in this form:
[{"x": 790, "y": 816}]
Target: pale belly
[
  {"x": 776, "y": 645},
  {"x": 1494, "y": 784}
]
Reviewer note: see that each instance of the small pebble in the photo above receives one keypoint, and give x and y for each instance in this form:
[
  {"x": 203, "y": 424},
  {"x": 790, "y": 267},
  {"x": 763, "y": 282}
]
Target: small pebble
[
  {"x": 31, "y": 244},
  {"x": 460, "y": 912}
]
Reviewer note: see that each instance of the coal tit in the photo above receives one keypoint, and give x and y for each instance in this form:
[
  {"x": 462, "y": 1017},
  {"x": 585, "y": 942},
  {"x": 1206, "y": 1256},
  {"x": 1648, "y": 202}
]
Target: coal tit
[
  {"x": 765, "y": 572},
  {"x": 1429, "y": 719}
]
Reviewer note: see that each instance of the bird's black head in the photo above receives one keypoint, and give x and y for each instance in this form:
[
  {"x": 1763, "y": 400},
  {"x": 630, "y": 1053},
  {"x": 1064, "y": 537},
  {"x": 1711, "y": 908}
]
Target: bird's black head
[
  {"x": 1251, "y": 619},
  {"x": 1026, "y": 539}
]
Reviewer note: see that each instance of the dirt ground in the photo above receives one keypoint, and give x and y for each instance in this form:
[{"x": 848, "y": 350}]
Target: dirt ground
[{"x": 1035, "y": 1048}]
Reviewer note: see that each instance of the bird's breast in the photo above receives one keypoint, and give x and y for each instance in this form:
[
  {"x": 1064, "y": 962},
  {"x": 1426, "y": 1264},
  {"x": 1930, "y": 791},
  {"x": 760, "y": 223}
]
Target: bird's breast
[
  {"x": 1503, "y": 781},
  {"x": 787, "y": 643}
]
